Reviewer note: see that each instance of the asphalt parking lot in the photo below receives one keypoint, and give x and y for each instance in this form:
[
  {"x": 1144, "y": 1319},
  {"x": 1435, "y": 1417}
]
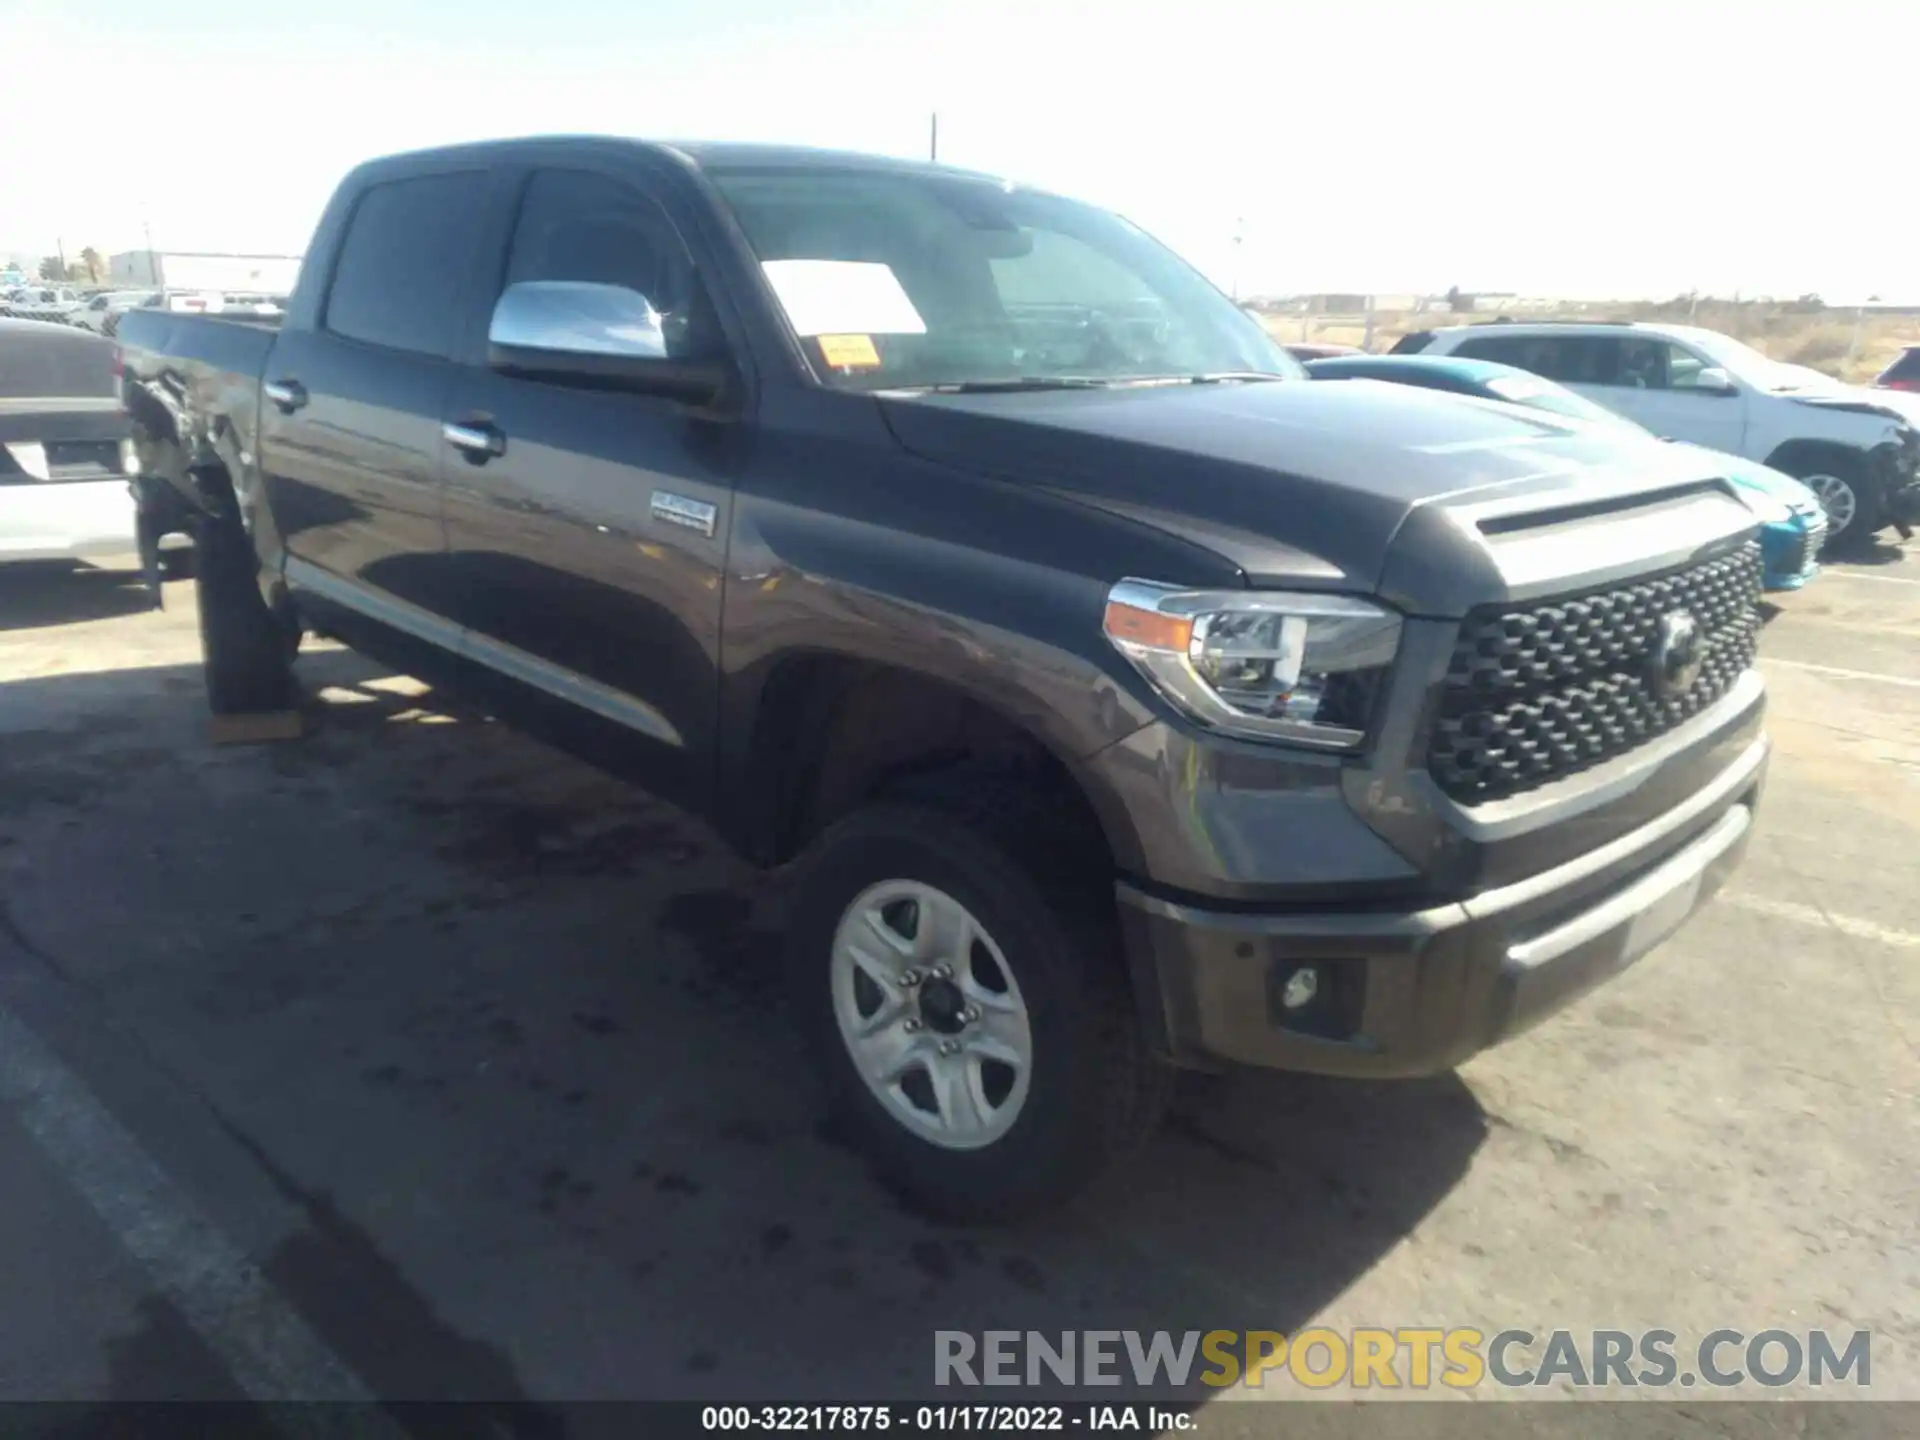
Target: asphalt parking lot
[{"x": 462, "y": 1071}]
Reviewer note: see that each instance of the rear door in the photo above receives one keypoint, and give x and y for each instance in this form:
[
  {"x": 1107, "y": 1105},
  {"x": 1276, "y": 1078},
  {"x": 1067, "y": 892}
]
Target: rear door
[
  {"x": 588, "y": 534},
  {"x": 352, "y": 405}
]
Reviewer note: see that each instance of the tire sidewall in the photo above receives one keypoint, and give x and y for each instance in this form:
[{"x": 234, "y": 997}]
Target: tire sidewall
[
  {"x": 1047, "y": 959},
  {"x": 1864, "y": 521}
]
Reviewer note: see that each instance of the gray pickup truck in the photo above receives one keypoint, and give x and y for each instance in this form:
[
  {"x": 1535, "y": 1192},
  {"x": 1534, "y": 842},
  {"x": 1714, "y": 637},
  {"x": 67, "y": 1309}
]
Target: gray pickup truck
[{"x": 1117, "y": 699}]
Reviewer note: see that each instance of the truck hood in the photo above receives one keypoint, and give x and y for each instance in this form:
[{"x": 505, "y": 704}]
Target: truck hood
[
  {"x": 1296, "y": 483},
  {"x": 1755, "y": 479}
]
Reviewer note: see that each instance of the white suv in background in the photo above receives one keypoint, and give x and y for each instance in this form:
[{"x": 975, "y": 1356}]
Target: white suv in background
[
  {"x": 93, "y": 315},
  {"x": 1857, "y": 449}
]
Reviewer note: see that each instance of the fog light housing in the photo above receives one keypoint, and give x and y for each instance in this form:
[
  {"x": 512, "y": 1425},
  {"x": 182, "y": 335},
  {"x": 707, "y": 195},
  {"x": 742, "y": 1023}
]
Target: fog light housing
[{"x": 1318, "y": 997}]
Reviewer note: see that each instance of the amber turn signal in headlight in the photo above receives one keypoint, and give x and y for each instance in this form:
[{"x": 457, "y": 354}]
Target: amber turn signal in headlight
[{"x": 1260, "y": 664}]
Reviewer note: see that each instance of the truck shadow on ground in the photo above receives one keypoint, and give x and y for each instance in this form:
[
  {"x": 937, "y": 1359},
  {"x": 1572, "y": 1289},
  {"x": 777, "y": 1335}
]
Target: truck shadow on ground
[
  {"x": 1879, "y": 551},
  {"x": 35, "y": 594},
  {"x": 511, "y": 1036}
]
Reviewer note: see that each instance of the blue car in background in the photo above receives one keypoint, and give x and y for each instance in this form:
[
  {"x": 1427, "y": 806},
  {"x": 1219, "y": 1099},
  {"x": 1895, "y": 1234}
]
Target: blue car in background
[{"x": 1793, "y": 522}]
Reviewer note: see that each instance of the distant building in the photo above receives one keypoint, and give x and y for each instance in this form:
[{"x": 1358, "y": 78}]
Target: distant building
[{"x": 199, "y": 270}]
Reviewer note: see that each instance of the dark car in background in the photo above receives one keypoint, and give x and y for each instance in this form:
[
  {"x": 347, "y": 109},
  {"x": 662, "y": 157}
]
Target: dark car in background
[{"x": 1902, "y": 374}]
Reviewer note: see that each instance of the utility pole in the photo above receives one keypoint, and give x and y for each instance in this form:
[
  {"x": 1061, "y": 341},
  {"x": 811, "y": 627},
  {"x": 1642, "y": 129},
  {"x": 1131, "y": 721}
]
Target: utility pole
[
  {"x": 153, "y": 262},
  {"x": 60, "y": 245},
  {"x": 933, "y": 137}
]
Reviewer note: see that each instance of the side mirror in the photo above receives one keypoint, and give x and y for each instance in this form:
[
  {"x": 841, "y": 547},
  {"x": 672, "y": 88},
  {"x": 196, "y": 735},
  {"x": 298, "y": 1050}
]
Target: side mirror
[
  {"x": 1714, "y": 381},
  {"x": 602, "y": 336}
]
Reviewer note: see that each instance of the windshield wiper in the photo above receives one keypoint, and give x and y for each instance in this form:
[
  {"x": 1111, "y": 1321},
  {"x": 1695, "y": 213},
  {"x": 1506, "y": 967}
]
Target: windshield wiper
[
  {"x": 1016, "y": 383},
  {"x": 1219, "y": 377},
  {"x": 1090, "y": 382}
]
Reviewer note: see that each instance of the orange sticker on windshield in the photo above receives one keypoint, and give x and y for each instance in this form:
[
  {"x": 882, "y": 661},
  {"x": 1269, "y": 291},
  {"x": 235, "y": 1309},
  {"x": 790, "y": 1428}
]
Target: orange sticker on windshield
[{"x": 854, "y": 352}]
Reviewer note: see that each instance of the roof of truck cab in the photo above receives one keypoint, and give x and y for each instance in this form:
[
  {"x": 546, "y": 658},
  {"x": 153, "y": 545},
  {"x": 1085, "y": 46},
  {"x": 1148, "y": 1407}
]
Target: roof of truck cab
[{"x": 701, "y": 154}]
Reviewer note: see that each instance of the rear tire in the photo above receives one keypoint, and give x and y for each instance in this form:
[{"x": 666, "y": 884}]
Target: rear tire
[
  {"x": 245, "y": 652},
  {"x": 1091, "y": 1090}
]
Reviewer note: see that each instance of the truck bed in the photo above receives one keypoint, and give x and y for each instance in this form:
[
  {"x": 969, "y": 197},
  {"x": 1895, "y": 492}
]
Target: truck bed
[{"x": 192, "y": 386}]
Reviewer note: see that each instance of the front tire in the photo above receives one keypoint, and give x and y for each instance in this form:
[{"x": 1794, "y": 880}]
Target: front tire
[
  {"x": 1852, "y": 506},
  {"x": 956, "y": 967}
]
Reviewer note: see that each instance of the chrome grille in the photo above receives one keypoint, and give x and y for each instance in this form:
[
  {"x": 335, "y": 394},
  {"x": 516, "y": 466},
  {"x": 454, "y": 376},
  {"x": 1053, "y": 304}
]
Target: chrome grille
[
  {"x": 1543, "y": 692},
  {"x": 1816, "y": 537}
]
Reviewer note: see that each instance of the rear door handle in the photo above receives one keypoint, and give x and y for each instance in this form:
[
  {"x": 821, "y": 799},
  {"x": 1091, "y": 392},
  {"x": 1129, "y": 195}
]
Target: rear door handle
[
  {"x": 479, "y": 442},
  {"x": 289, "y": 395}
]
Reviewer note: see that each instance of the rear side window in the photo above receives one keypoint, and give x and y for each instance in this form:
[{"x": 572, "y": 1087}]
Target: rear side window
[
  {"x": 398, "y": 280},
  {"x": 1506, "y": 349},
  {"x": 1907, "y": 367},
  {"x": 1569, "y": 359},
  {"x": 1412, "y": 343}
]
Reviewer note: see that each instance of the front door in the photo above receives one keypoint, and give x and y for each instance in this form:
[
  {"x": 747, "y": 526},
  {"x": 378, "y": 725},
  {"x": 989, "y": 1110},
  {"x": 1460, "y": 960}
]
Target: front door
[
  {"x": 1650, "y": 380},
  {"x": 588, "y": 528},
  {"x": 1665, "y": 397}
]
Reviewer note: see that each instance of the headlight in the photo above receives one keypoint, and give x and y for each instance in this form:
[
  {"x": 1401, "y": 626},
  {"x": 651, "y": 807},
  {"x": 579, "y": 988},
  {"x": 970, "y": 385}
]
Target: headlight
[{"x": 1263, "y": 665}]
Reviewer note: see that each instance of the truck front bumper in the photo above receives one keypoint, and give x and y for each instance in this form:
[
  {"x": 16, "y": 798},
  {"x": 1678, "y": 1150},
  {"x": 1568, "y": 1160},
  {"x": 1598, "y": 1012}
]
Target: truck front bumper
[{"x": 1412, "y": 992}]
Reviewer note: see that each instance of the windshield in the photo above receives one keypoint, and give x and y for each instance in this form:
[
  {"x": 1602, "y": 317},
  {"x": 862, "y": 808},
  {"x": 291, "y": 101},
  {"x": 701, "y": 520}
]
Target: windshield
[
  {"x": 904, "y": 280},
  {"x": 1541, "y": 394}
]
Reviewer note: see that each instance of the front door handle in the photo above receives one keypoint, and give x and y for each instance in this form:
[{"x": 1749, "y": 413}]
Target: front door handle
[
  {"x": 289, "y": 395},
  {"x": 479, "y": 442}
]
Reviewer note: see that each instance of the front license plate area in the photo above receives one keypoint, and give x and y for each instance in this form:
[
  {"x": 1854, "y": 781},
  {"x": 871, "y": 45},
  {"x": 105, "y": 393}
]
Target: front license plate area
[{"x": 1662, "y": 918}]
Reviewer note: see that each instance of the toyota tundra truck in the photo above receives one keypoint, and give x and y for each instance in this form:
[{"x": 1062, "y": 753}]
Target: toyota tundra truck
[{"x": 1110, "y": 698}]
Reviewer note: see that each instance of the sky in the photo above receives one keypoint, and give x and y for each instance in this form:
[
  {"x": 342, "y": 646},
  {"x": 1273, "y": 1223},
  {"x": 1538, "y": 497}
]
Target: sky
[{"x": 1561, "y": 148}]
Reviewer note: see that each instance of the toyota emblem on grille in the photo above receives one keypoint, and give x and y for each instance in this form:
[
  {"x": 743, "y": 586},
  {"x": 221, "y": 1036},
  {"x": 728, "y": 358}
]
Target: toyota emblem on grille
[{"x": 1679, "y": 650}]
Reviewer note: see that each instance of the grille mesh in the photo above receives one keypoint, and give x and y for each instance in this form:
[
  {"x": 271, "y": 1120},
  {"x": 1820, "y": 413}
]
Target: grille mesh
[{"x": 1536, "y": 694}]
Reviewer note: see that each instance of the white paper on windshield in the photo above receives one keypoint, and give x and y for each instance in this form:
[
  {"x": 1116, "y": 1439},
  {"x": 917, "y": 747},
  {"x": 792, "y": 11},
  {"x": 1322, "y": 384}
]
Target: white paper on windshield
[{"x": 842, "y": 297}]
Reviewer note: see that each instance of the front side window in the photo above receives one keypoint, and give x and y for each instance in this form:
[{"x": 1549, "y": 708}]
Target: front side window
[
  {"x": 1654, "y": 364},
  {"x": 577, "y": 226},
  {"x": 908, "y": 279},
  {"x": 1642, "y": 365},
  {"x": 398, "y": 280}
]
